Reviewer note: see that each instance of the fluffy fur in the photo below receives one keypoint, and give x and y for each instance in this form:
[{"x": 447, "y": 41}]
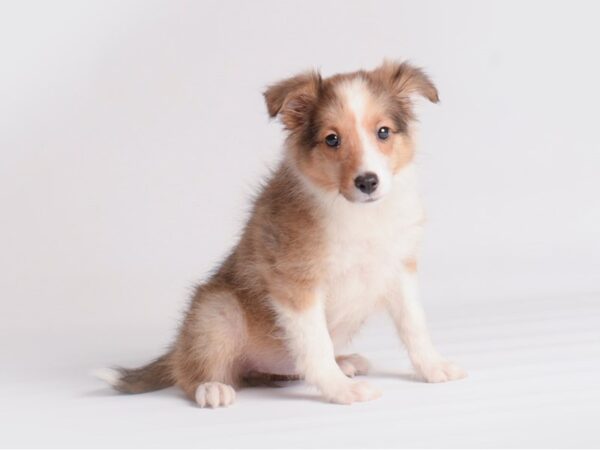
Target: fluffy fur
[{"x": 319, "y": 253}]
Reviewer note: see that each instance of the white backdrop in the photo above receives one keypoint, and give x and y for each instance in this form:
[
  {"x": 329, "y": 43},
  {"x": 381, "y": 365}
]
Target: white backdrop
[{"x": 132, "y": 135}]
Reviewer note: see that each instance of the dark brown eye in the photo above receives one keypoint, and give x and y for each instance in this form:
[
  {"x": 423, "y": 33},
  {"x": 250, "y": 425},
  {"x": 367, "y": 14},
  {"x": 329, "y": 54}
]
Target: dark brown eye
[
  {"x": 383, "y": 133},
  {"x": 333, "y": 140}
]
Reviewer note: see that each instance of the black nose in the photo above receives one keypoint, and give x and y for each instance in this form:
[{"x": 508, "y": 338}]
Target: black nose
[{"x": 367, "y": 182}]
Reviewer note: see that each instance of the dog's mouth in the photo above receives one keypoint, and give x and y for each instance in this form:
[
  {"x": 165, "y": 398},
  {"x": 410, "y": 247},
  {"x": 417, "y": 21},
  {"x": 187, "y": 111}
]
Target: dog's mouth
[
  {"x": 364, "y": 199},
  {"x": 373, "y": 199}
]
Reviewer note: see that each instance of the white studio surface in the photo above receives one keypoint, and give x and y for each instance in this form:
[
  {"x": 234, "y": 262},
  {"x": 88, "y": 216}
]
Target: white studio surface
[{"x": 132, "y": 135}]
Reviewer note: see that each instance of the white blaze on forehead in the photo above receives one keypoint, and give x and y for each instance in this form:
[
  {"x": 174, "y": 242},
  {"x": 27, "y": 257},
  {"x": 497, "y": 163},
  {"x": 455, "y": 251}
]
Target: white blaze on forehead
[{"x": 356, "y": 97}]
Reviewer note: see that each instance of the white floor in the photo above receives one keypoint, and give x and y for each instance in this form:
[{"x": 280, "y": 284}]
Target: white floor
[{"x": 534, "y": 381}]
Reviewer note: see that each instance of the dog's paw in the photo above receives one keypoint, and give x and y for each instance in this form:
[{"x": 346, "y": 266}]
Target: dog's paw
[
  {"x": 440, "y": 371},
  {"x": 214, "y": 394},
  {"x": 351, "y": 392},
  {"x": 353, "y": 364}
]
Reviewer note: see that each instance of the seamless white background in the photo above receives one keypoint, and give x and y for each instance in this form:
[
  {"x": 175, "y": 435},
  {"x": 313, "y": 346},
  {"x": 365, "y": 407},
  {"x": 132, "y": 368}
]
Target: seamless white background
[{"x": 133, "y": 134}]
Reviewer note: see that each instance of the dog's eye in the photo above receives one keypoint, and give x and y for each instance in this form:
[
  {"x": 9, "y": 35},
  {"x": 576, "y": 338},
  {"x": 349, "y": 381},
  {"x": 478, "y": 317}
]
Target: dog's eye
[
  {"x": 383, "y": 133},
  {"x": 333, "y": 140}
]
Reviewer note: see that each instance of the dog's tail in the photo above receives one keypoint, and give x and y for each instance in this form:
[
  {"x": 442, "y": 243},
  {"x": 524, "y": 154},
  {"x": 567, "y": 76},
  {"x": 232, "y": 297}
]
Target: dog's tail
[{"x": 151, "y": 377}]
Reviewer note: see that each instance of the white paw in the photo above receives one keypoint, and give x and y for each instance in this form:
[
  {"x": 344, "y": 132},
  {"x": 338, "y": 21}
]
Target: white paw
[
  {"x": 440, "y": 371},
  {"x": 214, "y": 394},
  {"x": 353, "y": 364},
  {"x": 351, "y": 392}
]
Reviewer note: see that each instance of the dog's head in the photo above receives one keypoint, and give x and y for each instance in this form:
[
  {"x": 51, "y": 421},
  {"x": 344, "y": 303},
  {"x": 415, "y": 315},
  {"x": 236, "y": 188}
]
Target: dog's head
[{"x": 350, "y": 133}]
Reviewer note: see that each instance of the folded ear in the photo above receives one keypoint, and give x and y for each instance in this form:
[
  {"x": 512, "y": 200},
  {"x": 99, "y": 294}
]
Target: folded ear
[
  {"x": 405, "y": 80},
  {"x": 293, "y": 98}
]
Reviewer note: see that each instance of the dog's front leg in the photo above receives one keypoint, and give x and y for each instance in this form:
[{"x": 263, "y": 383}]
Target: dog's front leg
[
  {"x": 310, "y": 344},
  {"x": 407, "y": 312}
]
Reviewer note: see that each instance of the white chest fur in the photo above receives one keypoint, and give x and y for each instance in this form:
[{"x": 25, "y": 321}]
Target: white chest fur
[{"x": 367, "y": 245}]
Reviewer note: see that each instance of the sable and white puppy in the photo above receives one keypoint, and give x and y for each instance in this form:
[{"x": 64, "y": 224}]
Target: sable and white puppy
[{"x": 332, "y": 237}]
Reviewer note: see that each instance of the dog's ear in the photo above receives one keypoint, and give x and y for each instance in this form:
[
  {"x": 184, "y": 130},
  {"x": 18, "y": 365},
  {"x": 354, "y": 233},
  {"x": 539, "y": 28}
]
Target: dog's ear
[
  {"x": 405, "y": 80},
  {"x": 292, "y": 99}
]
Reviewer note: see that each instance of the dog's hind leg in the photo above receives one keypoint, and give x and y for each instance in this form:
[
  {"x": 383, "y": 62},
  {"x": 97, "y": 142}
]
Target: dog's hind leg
[
  {"x": 209, "y": 349},
  {"x": 353, "y": 364}
]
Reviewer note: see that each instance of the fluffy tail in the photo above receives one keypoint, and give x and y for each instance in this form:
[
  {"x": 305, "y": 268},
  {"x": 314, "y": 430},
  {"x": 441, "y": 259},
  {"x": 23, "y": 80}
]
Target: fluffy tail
[{"x": 151, "y": 377}]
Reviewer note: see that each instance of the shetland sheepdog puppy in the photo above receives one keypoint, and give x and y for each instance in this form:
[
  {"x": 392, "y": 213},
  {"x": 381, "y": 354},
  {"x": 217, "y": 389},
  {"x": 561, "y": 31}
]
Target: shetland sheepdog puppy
[{"x": 332, "y": 237}]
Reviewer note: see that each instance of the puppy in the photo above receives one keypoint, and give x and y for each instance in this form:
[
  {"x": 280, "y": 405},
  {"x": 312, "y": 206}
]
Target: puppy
[{"x": 332, "y": 237}]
